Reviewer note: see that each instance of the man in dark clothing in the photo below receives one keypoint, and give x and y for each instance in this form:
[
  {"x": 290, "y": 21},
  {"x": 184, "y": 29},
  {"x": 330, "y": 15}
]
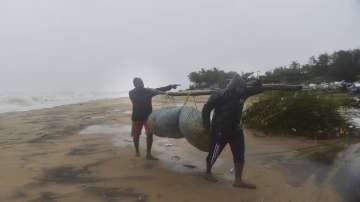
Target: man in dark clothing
[
  {"x": 225, "y": 125},
  {"x": 142, "y": 108}
]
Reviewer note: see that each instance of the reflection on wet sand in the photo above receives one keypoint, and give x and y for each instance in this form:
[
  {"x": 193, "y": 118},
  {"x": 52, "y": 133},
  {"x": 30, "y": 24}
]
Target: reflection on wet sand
[
  {"x": 318, "y": 162},
  {"x": 79, "y": 158},
  {"x": 347, "y": 176}
]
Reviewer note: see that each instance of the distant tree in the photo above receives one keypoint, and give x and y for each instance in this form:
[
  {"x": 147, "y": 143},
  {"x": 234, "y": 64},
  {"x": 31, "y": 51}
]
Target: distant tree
[
  {"x": 341, "y": 65},
  {"x": 211, "y": 78},
  {"x": 345, "y": 65}
]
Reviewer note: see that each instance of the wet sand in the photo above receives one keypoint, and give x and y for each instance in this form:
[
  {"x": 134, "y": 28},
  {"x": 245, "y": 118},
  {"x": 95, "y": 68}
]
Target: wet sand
[{"x": 84, "y": 152}]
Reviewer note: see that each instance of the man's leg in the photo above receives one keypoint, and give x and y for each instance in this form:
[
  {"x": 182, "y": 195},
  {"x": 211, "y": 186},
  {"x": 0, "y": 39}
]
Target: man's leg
[
  {"x": 217, "y": 146},
  {"x": 135, "y": 132},
  {"x": 136, "y": 144},
  {"x": 239, "y": 182},
  {"x": 238, "y": 149},
  {"x": 149, "y": 142}
]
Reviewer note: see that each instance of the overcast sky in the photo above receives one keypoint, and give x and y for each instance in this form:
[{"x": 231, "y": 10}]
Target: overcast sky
[{"x": 82, "y": 45}]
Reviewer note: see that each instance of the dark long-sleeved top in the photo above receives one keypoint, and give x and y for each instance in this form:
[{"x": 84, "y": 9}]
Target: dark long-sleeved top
[
  {"x": 141, "y": 101},
  {"x": 228, "y": 108}
]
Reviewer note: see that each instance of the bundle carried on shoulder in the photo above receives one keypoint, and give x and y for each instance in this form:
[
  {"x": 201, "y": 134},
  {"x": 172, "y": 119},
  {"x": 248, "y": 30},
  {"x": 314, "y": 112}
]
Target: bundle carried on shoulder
[
  {"x": 164, "y": 122},
  {"x": 190, "y": 123},
  {"x": 179, "y": 122}
]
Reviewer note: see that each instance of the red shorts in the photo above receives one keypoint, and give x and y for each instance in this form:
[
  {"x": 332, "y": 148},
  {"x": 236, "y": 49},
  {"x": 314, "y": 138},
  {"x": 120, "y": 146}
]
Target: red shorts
[{"x": 137, "y": 127}]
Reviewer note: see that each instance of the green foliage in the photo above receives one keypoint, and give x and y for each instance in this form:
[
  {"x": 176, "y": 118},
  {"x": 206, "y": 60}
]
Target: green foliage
[
  {"x": 211, "y": 78},
  {"x": 340, "y": 65},
  {"x": 299, "y": 112}
]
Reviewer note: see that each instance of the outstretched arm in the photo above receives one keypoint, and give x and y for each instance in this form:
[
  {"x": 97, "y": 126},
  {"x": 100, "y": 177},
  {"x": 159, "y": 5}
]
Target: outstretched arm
[
  {"x": 158, "y": 91},
  {"x": 167, "y": 88},
  {"x": 208, "y": 107}
]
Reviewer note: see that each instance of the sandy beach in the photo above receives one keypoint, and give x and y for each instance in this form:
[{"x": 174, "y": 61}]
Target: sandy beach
[{"x": 84, "y": 152}]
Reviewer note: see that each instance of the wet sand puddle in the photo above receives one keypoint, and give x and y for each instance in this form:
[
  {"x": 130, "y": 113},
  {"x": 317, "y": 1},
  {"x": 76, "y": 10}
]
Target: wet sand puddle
[
  {"x": 336, "y": 165},
  {"x": 69, "y": 183},
  {"x": 326, "y": 165},
  {"x": 347, "y": 175},
  {"x": 174, "y": 154}
]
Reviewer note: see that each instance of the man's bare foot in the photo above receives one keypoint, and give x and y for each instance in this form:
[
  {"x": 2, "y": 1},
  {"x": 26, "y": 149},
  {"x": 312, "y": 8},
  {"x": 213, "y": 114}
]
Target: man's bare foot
[
  {"x": 210, "y": 177},
  {"x": 151, "y": 157},
  {"x": 245, "y": 185}
]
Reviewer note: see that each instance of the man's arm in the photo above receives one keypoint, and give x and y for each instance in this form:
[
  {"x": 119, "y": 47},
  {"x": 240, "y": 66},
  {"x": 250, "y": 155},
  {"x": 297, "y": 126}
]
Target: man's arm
[
  {"x": 167, "y": 88},
  {"x": 208, "y": 107},
  {"x": 254, "y": 88},
  {"x": 157, "y": 91}
]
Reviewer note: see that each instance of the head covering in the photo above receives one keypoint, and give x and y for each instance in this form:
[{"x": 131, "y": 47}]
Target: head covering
[
  {"x": 236, "y": 83},
  {"x": 138, "y": 83}
]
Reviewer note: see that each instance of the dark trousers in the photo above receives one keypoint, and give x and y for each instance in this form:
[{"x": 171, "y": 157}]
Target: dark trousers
[{"x": 219, "y": 139}]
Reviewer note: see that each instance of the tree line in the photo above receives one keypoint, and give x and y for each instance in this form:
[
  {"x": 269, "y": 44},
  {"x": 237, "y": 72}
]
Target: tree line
[{"x": 338, "y": 66}]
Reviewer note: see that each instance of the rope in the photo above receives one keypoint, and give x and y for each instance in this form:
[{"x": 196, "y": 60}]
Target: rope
[
  {"x": 170, "y": 98},
  {"x": 186, "y": 100},
  {"x": 195, "y": 102}
]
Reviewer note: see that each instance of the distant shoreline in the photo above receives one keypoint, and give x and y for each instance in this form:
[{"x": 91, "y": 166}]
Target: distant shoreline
[{"x": 53, "y": 105}]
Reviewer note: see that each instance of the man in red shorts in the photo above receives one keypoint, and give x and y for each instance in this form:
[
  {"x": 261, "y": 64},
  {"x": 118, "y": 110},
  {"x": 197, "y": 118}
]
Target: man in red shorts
[{"x": 142, "y": 108}]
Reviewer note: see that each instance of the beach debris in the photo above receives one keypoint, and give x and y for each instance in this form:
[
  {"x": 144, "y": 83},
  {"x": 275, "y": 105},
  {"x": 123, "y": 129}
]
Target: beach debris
[
  {"x": 176, "y": 158},
  {"x": 231, "y": 170},
  {"x": 293, "y": 129},
  {"x": 189, "y": 166},
  {"x": 169, "y": 145}
]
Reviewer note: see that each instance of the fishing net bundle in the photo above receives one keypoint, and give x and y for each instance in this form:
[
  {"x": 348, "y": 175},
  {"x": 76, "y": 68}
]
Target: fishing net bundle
[
  {"x": 190, "y": 123},
  {"x": 164, "y": 122},
  {"x": 179, "y": 122}
]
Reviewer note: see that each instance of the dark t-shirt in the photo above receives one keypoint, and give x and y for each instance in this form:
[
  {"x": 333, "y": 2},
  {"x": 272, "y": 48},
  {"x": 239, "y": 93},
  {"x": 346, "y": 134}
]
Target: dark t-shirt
[
  {"x": 141, "y": 101},
  {"x": 227, "y": 108}
]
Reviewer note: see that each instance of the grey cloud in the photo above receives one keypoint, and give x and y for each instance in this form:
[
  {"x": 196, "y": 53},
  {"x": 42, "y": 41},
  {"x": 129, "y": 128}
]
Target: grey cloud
[{"x": 100, "y": 45}]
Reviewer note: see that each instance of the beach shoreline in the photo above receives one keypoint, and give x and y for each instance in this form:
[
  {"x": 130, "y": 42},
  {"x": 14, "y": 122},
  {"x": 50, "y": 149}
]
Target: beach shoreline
[{"x": 84, "y": 152}]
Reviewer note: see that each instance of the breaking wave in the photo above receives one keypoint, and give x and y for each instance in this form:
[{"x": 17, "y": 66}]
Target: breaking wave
[{"x": 25, "y": 102}]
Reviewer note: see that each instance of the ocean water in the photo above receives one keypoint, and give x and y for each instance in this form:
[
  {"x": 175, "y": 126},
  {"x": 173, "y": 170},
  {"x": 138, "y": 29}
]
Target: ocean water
[
  {"x": 352, "y": 115},
  {"x": 12, "y": 102}
]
